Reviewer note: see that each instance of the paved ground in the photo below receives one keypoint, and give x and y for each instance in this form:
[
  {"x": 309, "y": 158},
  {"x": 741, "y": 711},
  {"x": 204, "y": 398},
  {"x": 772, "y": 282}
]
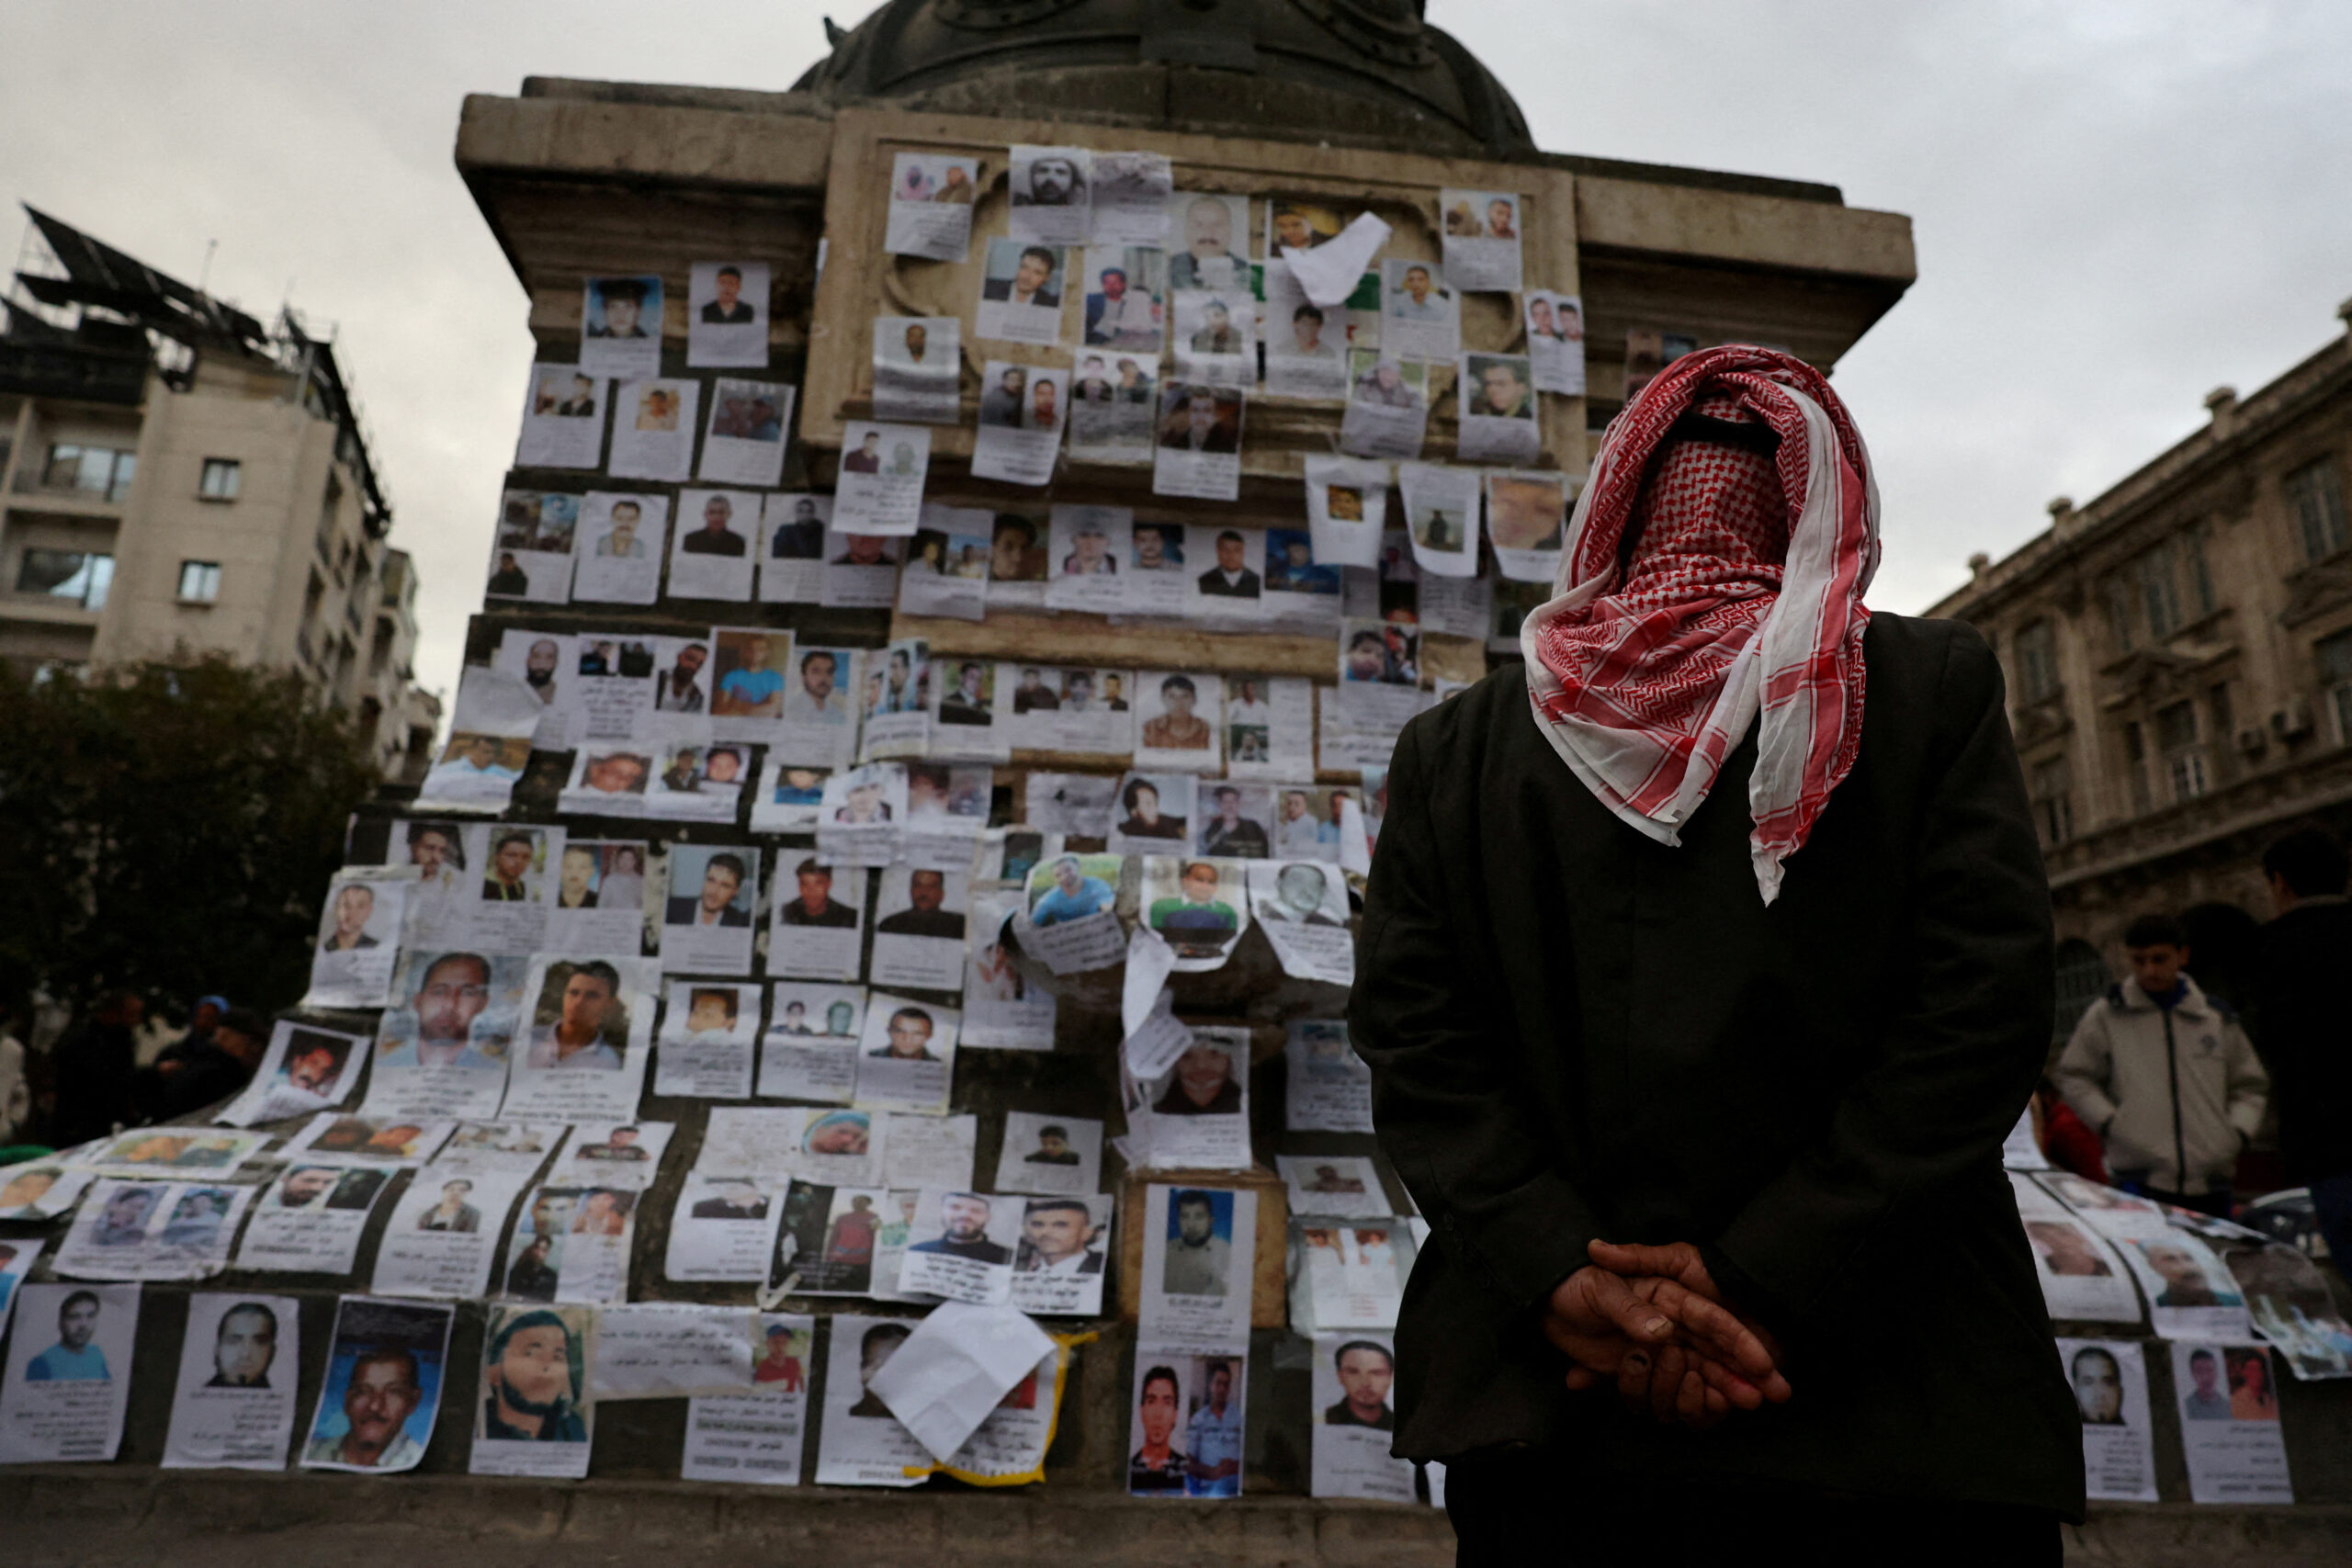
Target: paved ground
[{"x": 68, "y": 1518}]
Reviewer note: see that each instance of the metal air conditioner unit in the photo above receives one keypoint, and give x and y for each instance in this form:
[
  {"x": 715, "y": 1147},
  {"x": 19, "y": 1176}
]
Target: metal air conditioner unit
[{"x": 2293, "y": 719}]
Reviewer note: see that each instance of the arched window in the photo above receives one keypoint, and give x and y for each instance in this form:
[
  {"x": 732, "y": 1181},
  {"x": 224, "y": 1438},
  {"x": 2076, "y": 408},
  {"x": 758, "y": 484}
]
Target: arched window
[{"x": 2082, "y": 980}]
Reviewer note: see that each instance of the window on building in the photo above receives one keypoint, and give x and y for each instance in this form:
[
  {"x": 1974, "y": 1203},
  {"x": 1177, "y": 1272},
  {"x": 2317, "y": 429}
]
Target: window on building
[
  {"x": 2135, "y": 765},
  {"x": 2118, "y": 604},
  {"x": 2194, "y": 545},
  {"x": 2082, "y": 980},
  {"x": 2184, "y": 757},
  {"x": 330, "y": 514},
  {"x": 79, "y": 577},
  {"x": 2335, "y": 659},
  {"x": 2037, "y": 657},
  {"x": 2217, "y": 704},
  {"x": 2159, "y": 591},
  {"x": 219, "y": 481},
  {"x": 199, "y": 581},
  {"x": 104, "y": 471},
  {"x": 2315, "y": 497},
  {"x": 2053, "y": 800}
]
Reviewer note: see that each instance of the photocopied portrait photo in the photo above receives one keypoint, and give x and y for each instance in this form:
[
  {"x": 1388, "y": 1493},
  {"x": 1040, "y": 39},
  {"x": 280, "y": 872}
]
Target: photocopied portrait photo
[
  {"x": 234, "y": 1404},
  {"x": 386, "y": 1366},
  {"x": 531, "y": 1417},
  {"x": 727, "y": 314},
  {"x": 932, "y": 197},
  {"x": 1022, "y": 284},
  {"x": 68, "y": 1378},
  {"x": 620, "y": 325},
  {"x": 706, "y": 923}
]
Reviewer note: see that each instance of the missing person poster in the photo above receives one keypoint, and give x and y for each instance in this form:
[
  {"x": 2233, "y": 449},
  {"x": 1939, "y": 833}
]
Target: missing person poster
[
  {"x": 386, "y": 1368},
  {"x": 919, "y": 927},
  {"x": 1057, "y": 1155},
  {"x": 1354, "y": 1420},
  {"x": 306, "y": 1070},
  {"x": 533, "y": 1417},
  {"x": 360, "y": 935},
  {"x": 1388, "y": 404},
  {"x": 1306, "y": 343},
  {"x": 1130, "y": 198},
  {"x": 311, "y": 1219},
  {"x": 810, "y": 1049},
  {"x": 706, "y": 922},
  {"x": 1197, "y": 1109},
  {"x": 711, "y": 555},
  {"x": 1302, "y": 906},
  {"x": 1087, "y": 548},
  {"x": 67, "y": 1382},
  {"x": 2081, "y": 1276},
  {"x": 1052, "y": 191},
  {"x": 233, "y": 1407},
  {"x": 2229, "y": 1422},
  {"x": 931, "y": 206},
  {"x": 825, "y": 1244},
  {"x": 530, "y": 554},
  {"x": 1347, "y": 508},
  {"x": 792, "y": 553},
  {"x": 1555, "y": 340},
  {"x": 1527, "y": 521},
  {"x": 862, "y": 814},
  {"x": 906, "y": 1054},
  {"x": 1497, "y": 397},
  {"x": 1442, "y": 518},
  {"x": 1002, "y": 1009},
  {"x": 1186, "y": 1430},
  {"x": 654, "y": 429},
  {"x": 563, "y": 419},
  {"x": 1200, "y": 907},
  {"x": 756, "y": 1438},
  {"x": 709, "y": 1029},
  {"x": 571, "y": 1245},
  {"x": 821, "y": 705},
  {"x": 153, "y": 1229},
  {"x": 727, "y": 314},
  {"x": 1058, "y": 1265},
  {"x": 580, "y": 1055},
  {"x": 620, "y": 325},
  {"x": 1348, "y": 1186},
  {"x": 959, "y": 1247},
  {"x": 859, "y": 1442},
  {"x": 1420, "y": 317},
  {"x": 619, "y": 556},
  {"x": 947, "y": 564},
  {"x": 1198, "y": 454},
  {"x": 1330, "y": 1086},
  {"x": 1022, "y": 284},
  {"x": 443, "y": 1234},
  {"x": 1022, "y": 408},
  {"x": 917, "y": 360},
  {"x": 1199, "y": 1263},
  {"x": 723, "y": 1227},
  {"x": 1481, "y": 237},
  {"x": 818, "y": 931},
  {"x": 598, "y": 1154},
  {"x": 599, "y": 903},
  {"x": 2109, "y": 1378},
  {"x": 879, "y": 490}
]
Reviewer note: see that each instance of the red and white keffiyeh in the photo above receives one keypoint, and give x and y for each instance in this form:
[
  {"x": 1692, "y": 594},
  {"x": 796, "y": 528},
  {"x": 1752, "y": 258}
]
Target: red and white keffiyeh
[{"x": 1744, "y": 590}]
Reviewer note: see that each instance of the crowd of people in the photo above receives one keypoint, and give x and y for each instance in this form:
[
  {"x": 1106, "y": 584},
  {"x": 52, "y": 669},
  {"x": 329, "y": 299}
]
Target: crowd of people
[{"x": 92, "y": 1079}]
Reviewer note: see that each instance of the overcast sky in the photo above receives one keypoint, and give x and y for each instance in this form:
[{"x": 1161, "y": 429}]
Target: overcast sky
[{"x": 2118, "y": 207}]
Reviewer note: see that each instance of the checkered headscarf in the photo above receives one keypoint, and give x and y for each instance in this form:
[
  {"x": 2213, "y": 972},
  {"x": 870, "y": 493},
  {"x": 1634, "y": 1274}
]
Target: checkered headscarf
[{"x": 1743, "y": 592}]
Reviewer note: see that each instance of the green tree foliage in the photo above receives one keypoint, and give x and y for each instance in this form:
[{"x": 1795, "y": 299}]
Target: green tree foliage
[{"x": 169, "y": 827}]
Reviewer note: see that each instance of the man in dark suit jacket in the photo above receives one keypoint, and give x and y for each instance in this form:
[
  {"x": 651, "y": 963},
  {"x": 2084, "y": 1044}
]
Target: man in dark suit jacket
[
  {"x": 729, "y": 309},
  {"x": 721, "y": 878},
  {"x": 1231, "y": 578},
  {"x": 1789, "y": 1080},
  {"x": 2298, "y": 1018},
  {"x": 1027, "y": 286}
]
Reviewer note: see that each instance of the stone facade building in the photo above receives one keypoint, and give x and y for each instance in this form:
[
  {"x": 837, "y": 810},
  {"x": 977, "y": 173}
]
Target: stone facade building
[
  {"x": 177, "y": 477},
  {"x": 2179, "y": 662}
]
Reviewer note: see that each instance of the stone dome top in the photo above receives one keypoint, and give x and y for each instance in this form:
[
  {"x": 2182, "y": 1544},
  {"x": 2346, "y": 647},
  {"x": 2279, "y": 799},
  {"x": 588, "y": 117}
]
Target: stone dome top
[{"x": 1361, "y": 72}]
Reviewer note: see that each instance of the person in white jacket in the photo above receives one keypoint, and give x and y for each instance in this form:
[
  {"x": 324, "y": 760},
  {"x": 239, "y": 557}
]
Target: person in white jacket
[{"x": 2166, "y": 1076}]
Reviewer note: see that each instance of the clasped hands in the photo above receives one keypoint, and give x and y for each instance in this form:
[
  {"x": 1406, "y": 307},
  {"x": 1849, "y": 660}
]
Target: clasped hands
[{"x": 1650, "y": 1320}]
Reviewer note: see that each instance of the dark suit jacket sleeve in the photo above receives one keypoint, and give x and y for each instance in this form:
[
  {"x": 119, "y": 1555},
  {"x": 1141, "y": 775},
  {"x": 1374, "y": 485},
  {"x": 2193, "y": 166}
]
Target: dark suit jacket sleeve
[
  {"x": 1959, "y": 1061},
  {"x": 1448, "y": 1103}
]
